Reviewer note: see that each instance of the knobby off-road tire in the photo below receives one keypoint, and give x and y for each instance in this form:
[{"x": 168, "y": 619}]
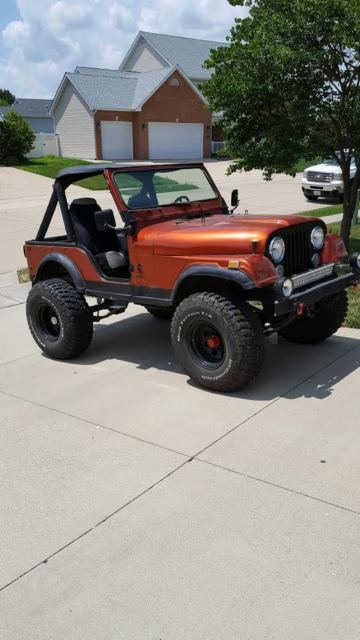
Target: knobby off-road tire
[
  {"x": 161, "y": 312},
  {"x": 220, "y": 345},
  {"x": 59, "y": 319},
  {"x": 330, "y": 314}
]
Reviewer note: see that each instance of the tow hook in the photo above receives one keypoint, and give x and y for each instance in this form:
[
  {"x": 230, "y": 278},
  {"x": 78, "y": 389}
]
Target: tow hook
[{"x": 300, "y": 309}]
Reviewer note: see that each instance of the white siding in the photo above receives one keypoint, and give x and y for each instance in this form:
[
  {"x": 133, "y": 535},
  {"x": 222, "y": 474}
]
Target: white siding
[
  {"x": 75, "y": 125},
  {"x": 144, "y": 58}
]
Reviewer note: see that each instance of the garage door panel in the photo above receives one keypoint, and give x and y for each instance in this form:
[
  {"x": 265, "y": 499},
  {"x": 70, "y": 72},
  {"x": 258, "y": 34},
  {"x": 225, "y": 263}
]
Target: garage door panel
[
  {"x": 116, "y": 140},
  {"x": 175, "y": 140}
]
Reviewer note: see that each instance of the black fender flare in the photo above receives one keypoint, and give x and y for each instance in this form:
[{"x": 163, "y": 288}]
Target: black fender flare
[
  {"x": 66, "y": 264},
  {"x": 230, "y": 275}
]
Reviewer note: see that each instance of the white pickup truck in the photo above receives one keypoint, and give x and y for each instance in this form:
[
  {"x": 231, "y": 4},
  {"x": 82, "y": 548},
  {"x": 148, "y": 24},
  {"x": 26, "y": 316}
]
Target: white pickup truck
[{"x": 325, "y": 180}]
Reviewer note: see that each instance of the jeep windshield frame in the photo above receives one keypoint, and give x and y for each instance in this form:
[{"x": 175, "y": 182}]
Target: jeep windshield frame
[{"x": 161, "y": 190}]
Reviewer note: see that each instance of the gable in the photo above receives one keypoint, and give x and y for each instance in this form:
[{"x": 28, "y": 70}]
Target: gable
[
  {"x": 144, "y": 58},
  {"x": 177, "y": 96}
]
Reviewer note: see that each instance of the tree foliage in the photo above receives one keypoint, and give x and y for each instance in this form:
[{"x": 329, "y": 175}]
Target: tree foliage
[
  {"x": 16, "y": 137},
  {"x": 6, "y": 97},
  {"x": 289, "y": 87}
]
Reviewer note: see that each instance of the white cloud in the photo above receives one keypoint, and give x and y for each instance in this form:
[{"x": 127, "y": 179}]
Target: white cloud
[{"x": 53, "y": 36}]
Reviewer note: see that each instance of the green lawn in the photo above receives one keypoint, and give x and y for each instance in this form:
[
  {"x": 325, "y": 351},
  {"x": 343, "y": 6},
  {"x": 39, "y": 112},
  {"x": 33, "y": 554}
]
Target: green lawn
[
  {"x": 301, "y": 165},
  {"x": 50, "y": 166},
  {"x": 353, "y": 316},
  {"x": 322, "y": 212}
]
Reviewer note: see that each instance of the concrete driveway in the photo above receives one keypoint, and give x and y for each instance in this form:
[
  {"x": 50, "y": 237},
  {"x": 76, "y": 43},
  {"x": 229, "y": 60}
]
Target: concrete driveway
[
  {"x": 24, "y": 196},
  {"x": 137, "y": 506}
]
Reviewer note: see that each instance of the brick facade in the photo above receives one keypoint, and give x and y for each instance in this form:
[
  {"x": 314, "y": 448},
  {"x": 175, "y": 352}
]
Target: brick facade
[{"x": 169, "y": 104}]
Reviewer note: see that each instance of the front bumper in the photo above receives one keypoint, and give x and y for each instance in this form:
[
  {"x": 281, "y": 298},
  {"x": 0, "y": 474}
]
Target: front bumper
[
  {"x": 312, "y": 294},
  {"x": 322, "y": 188}
]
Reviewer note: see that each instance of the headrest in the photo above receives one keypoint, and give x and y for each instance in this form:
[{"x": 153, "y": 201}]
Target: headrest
[{"x": 84, "y": 206}]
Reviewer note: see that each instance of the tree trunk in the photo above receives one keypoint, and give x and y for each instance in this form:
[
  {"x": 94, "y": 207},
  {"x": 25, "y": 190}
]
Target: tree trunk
[{"x": 350, "y": 195}]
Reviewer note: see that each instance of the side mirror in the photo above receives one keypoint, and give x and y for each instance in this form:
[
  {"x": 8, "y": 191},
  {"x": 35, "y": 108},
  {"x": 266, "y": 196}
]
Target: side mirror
[
  {"x": 104, "y": 220},
  {"x": 234, "y": 198}
]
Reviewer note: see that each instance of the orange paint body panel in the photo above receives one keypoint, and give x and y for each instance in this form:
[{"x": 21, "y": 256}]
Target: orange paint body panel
[{"x": 169, "y": 240}]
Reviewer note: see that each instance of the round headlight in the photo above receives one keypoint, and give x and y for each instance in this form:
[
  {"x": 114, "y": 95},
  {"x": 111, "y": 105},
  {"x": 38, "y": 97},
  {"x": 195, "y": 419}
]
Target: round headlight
[
  {"x": 277, "y": 249},
  {"x": 287, "y": 287},
  {"x": 317, "y": 237},
  {"x": 315, "y": 260}
]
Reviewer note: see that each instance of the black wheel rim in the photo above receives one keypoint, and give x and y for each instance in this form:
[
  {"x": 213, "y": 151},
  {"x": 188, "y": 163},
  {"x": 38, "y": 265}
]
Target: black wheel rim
[
  {"x": 48, "y": 322},
  {"x": 207, "y": 345}
]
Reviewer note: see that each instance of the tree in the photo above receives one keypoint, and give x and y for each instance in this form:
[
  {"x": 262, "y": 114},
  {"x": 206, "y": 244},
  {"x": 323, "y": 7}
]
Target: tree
[
  {"x": 16, "y": 137},
  {"x": 289, "y": 88},
  {"x": 6, "y": 97}
]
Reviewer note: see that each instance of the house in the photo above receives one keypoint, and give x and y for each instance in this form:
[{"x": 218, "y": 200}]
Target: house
[
  {"x": 151, "y": 51},
  {"x": 150, "y": 108},
  {"x": 35, "y": 111}
]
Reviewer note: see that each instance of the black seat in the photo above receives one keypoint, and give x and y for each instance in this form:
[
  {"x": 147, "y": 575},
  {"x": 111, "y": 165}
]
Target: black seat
[
  {"x": 106, "y": 246},
  {"x": 141, "y": 200}
]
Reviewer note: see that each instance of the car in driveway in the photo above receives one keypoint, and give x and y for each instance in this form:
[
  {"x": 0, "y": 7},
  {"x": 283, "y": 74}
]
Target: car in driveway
[
  {"x": 325, "y": 180},
  {"x": 224, "y": 280}
]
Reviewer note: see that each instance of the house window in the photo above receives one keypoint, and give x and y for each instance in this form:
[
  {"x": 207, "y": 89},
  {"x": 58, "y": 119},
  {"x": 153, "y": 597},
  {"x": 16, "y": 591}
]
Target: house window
[{"x": 174, "y": 82}]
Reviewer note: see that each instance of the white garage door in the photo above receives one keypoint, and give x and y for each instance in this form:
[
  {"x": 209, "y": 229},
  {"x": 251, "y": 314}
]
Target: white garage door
[
  {"x": 117, "y": 140},
  {"x": 175, "y": 141}
]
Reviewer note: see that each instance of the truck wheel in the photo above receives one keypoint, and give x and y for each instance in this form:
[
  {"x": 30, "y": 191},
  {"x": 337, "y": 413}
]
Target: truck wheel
[
  {"x": 329, "y": 316},
  {"x": 164, "y": 313},
  {"x": 59, "y": 319},
  {"x": 220, "y": 346}
]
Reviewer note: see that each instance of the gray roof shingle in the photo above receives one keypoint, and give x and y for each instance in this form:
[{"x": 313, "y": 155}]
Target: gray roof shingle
[
  {"x": 189, "y": 53},
  {"x": 30, "y": 107},
  {"x": 114, "y": 89}
]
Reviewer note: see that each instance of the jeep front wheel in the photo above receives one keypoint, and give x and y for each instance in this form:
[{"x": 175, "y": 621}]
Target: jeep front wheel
[
  {"x": 219, "y": 345},
  {"x": 59, "y": 319},
  {"x": 328, "y": 316}
]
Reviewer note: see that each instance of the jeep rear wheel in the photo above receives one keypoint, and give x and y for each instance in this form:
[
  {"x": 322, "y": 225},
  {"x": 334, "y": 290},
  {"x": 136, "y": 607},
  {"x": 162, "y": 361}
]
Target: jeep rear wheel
[
  {"x": 219, "y": 345},
  {"x": 164, "y": 313},
  {"x": 59, "y": 319},
  {"x": 329, "y": 314}
]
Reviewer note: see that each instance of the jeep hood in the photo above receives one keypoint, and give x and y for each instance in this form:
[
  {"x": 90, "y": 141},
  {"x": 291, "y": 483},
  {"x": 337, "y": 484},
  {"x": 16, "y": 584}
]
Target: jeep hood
[{"x": 219, "y": 234}]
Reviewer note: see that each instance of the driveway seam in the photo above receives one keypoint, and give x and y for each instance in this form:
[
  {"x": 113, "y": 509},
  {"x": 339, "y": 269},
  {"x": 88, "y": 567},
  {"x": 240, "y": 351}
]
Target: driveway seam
[
  {"x": 279, "y": 486},
  {"x": 95, "y": 424},
  {"x": 269, "y": 404},
  {"x": 29, "y": 355},
  {"x": 98, "y": 524}
]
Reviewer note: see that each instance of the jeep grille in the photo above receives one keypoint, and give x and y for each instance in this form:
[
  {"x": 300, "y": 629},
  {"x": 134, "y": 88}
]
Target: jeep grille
[{"x": 298, "y": 247}]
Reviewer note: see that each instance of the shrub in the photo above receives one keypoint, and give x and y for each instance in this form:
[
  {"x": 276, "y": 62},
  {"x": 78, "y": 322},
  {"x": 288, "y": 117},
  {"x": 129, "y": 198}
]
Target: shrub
[{"x": 16, "y": 137}]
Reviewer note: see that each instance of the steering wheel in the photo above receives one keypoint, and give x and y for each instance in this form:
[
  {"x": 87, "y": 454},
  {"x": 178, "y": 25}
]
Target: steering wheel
[{"x": 181, "y": 199}]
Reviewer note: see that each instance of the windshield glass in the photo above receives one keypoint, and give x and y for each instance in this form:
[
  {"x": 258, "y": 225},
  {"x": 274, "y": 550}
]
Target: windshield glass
[{"x": 154, "y": 188}]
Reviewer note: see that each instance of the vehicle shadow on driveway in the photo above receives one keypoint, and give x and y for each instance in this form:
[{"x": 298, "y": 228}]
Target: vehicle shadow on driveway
[{"x": 145, "y": 341}]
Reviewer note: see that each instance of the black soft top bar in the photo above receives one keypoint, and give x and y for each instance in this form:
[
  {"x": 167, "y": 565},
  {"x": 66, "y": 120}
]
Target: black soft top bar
[{"x": 72, "y": 174}]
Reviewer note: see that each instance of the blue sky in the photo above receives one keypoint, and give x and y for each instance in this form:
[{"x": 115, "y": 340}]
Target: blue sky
[
  {"x": 42, "y": 39},
  {"x": 8, "y": 12}
]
